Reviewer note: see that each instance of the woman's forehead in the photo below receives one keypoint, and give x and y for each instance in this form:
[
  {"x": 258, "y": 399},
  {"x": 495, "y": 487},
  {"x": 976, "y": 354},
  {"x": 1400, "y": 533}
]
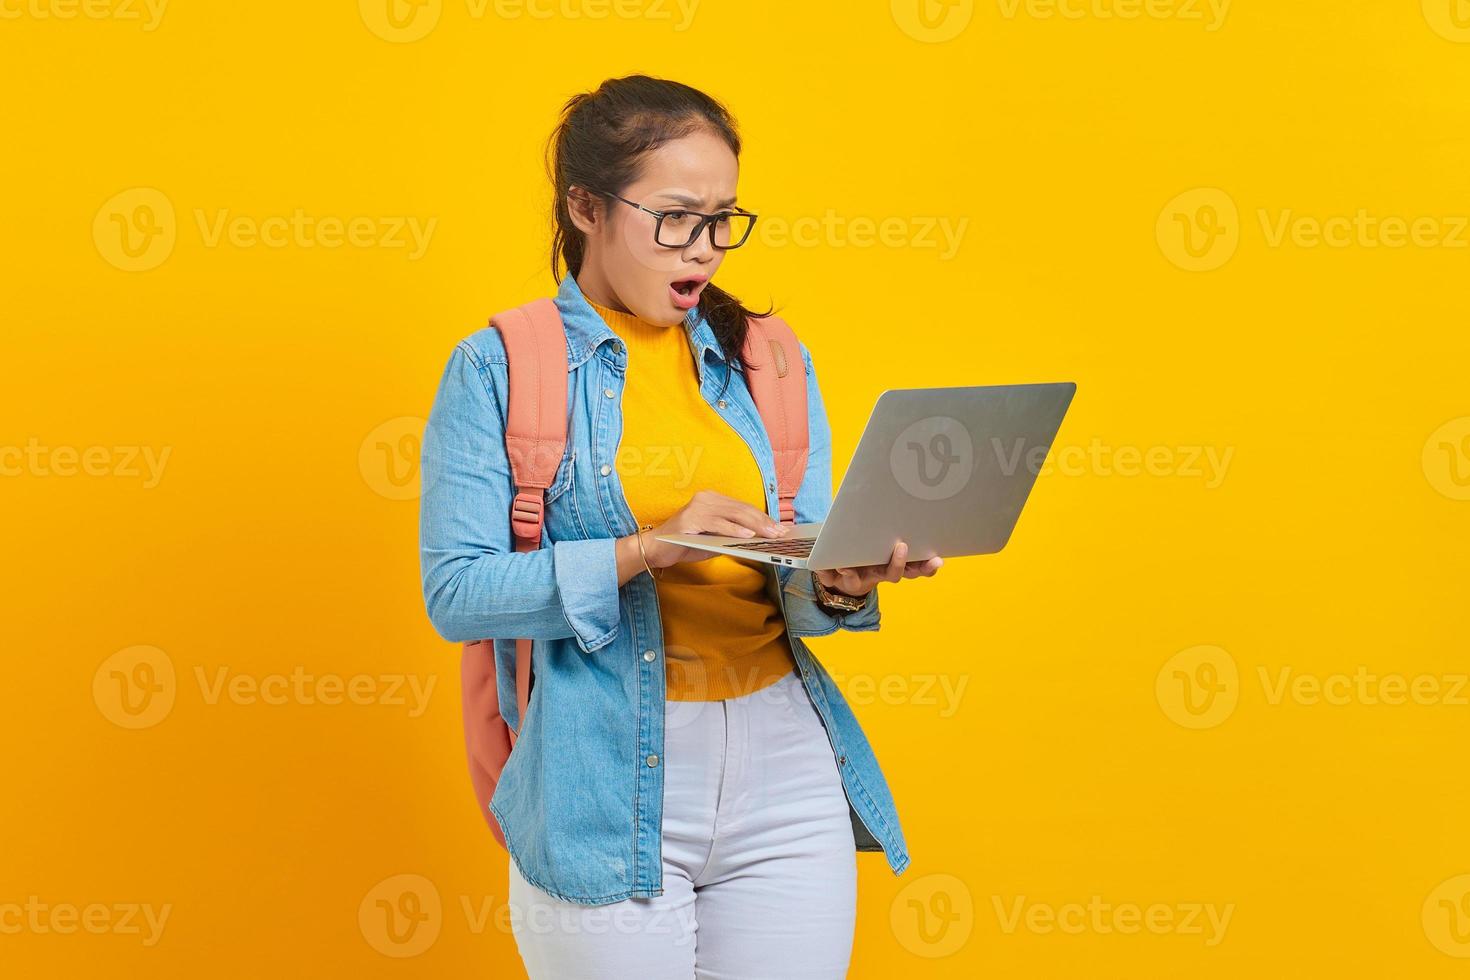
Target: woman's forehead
[{"x": 694, "y": 170}]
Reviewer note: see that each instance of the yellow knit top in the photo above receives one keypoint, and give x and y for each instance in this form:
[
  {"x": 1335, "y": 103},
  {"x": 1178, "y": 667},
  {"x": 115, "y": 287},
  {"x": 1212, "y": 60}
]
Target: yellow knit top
[{"x": 724, "y": 635}]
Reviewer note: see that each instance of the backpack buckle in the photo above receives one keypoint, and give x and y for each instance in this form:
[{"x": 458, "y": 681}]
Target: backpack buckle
[
  {"x": 787, "y": 507},
  {"x": 527, "y": 511}
]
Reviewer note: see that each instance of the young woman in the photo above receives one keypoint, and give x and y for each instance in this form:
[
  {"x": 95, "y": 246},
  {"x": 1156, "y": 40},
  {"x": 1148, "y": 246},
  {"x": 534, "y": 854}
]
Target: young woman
[{"x": 689, "y": 786}]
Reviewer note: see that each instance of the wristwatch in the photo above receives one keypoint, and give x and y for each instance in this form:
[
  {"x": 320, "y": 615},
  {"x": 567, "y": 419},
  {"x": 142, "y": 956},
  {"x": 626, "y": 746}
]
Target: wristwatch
[{"x": 838, "y": 600}]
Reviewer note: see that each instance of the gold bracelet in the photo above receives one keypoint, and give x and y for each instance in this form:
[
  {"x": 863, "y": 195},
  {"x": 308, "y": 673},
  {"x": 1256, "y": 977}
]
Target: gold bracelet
[{"x": 644, "y": 554}]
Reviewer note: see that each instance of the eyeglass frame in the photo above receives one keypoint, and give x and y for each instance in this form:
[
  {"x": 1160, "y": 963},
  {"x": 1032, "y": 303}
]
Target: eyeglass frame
[{"x": 707, "y": 220}]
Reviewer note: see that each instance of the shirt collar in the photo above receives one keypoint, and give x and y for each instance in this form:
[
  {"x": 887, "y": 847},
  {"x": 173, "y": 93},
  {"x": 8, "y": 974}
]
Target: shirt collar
[{"x": 586, "y": 330}]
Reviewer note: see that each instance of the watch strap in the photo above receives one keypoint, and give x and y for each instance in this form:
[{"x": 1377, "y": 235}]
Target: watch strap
[{"x": 838, "y": 600}]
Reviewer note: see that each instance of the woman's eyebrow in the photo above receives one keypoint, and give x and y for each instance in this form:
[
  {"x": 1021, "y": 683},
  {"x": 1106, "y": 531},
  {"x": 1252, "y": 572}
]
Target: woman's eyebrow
[{"x": 694, "y": 202}]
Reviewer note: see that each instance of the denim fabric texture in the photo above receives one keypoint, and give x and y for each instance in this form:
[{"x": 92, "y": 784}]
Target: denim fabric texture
[{"x": 581, "y": 796}]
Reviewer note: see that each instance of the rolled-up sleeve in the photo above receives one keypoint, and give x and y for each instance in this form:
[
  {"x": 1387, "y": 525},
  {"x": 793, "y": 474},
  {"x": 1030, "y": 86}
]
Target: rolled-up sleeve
[
  {"x": 804, "y": 612},
  {"x": 476, "y": 586},
  {"x": 587, "y": 583}
]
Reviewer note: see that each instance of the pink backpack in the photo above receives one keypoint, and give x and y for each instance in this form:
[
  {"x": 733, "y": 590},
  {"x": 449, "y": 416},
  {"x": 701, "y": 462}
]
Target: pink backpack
[{"x": 535, "y": 439}]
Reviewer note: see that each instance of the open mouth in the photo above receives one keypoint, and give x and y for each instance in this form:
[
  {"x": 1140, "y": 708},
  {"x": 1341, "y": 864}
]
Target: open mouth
[{"x": 685, "y": 292}]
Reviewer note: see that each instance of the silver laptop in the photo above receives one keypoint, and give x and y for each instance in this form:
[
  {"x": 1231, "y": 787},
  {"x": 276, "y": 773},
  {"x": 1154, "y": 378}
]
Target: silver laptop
[{"x": 945, "y": 469}]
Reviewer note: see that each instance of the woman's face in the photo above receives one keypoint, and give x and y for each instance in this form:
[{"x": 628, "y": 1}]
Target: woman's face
[{"x": 624, "y": 267}]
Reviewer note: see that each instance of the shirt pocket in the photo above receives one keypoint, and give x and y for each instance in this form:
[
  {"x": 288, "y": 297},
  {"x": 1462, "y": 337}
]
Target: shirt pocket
[
  {"x": 563, "y": 517},
  {"x": 562, "y": 482}
]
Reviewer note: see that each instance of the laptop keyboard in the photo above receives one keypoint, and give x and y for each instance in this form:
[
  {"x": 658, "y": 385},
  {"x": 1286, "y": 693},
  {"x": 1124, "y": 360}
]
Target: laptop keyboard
[{"x": 796, "y": 547}]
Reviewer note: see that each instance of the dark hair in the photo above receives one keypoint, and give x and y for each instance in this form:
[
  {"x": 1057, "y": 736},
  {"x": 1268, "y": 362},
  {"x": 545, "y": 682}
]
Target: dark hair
[{"x": 599, "y": 144}]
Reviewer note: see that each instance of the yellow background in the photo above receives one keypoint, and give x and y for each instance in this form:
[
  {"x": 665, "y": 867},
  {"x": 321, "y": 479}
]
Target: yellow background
[{"x": 1076, "y": 762}]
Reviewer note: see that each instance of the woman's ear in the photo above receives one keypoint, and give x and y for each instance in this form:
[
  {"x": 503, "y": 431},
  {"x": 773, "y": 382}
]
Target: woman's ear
[{"x": 585, "y": 210}]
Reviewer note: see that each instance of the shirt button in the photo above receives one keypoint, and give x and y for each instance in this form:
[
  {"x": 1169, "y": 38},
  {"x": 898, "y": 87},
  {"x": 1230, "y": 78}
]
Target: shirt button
[
  {"x": 721, "y": 403},
  {"x": 608, "y": 392},
  {"x": 606, "y": 469},
  {"x": 649, "y": 655},
  {"x": 842, "y": 760},
  {"x": 652, "y": 761}
]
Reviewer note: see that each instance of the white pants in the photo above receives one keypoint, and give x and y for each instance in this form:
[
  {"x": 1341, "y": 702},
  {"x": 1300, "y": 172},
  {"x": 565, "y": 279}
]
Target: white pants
[{"x": 759, "y": 864}]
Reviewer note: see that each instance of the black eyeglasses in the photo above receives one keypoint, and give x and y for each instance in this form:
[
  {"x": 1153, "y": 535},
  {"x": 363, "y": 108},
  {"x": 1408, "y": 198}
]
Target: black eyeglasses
[{"x": 679, "y": 229}]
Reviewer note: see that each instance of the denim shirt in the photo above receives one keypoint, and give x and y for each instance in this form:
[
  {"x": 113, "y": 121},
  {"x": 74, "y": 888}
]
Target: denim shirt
[{"x": 581, "y": 797}]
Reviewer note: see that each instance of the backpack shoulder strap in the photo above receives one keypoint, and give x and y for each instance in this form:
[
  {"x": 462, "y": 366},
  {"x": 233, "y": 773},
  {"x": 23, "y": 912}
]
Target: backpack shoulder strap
[
  {"x": 536, "y": 416},
  {"x": 535, "y": 433},
  {"x": 776, "y": 377}
]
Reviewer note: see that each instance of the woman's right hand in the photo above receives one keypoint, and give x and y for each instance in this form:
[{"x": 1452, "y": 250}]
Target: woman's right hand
[{"x": 708, "y": 512}]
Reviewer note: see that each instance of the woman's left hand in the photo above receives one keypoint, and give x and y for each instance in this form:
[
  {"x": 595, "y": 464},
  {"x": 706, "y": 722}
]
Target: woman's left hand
[{"x": 860, "y": 579}]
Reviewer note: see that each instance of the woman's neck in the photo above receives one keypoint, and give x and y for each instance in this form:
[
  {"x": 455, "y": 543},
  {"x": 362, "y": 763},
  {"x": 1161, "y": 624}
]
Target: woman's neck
[
  {"x": 597, "y": 291},
  {"x": 622, "y": 319}
]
